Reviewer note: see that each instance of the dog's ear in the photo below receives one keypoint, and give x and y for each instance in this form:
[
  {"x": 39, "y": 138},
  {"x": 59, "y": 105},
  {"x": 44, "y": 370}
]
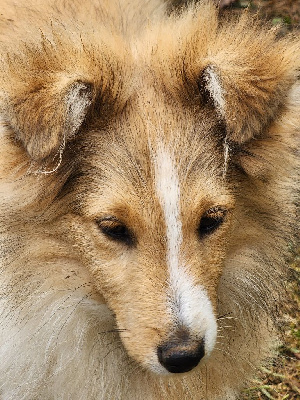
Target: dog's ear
[
  {"x": 246, "y": 103},
  {"x": 46, "y": 117},
  {"x": 249, "y": 85}
]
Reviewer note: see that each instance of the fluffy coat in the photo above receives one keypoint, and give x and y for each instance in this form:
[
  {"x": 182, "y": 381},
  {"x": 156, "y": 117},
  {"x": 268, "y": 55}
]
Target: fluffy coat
[{"x": 135, "y": 112}]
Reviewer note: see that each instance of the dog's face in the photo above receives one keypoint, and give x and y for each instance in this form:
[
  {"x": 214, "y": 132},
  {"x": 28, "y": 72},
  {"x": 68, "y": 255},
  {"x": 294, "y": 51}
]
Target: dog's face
[{"x": 155, "y": 211}]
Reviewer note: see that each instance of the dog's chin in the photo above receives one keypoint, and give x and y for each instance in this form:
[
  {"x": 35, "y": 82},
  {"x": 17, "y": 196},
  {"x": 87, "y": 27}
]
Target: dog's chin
[{"x": 156, "y": 368}]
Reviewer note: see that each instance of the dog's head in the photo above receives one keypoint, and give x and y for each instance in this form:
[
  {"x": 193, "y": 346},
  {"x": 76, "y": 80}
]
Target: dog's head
[{"x": 143, "y": 148}]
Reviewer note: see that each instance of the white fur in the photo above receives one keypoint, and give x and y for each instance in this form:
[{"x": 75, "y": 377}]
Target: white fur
[
  {"x": 78, "y": 100},
  {"x": 215, "y": 89},
  {"x": 213, "y": 85},
  {"x": 188, "y": 303}
]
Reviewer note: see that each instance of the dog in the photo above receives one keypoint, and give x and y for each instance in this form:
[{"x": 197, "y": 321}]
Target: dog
[{"x": 149, "y": 172}]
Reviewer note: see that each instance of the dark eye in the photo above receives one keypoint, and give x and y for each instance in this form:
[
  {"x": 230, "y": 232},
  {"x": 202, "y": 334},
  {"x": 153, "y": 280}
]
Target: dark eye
[
  {"x": 116, "y": 230},
  {"x": 211, "y": 220}
]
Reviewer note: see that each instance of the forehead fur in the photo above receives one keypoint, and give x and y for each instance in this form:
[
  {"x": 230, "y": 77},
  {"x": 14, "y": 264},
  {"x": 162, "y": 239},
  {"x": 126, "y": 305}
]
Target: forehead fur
[{"x": 120, "y": 161}]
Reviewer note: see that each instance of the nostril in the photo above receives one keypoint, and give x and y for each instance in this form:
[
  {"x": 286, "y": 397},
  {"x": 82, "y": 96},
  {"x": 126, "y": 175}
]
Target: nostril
[{"x": 177, "y": 359}]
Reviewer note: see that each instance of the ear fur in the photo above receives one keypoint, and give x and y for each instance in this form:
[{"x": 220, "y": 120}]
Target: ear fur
[
  {"x": 46, "y": 117},
  {"x": 248, "y": 75},
  {"x": 246, "y": 103}
]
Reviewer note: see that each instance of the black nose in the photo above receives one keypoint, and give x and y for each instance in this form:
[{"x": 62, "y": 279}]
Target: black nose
[{"x": 178, "y": 358}]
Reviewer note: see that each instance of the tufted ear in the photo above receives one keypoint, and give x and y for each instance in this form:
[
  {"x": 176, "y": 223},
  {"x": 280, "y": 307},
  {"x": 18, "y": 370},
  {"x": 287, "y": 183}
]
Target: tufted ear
[
  {"x": 44, "y": 118},
  {"x": 248, "y": 94}
]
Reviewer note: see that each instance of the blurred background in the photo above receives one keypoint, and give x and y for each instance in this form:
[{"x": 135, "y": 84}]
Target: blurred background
[{"x": 285, "y": 12}]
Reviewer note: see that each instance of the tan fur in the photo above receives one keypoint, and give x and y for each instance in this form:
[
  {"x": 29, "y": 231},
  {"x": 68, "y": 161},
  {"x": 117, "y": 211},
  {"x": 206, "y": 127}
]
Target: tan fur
[{"x": 90, "y": 94}]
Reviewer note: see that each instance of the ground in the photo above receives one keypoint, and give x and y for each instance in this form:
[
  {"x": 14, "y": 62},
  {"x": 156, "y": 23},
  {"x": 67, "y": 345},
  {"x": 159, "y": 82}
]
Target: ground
[
  {"x": 286, "y": 12},
  {"x": 281, "y": 380}
]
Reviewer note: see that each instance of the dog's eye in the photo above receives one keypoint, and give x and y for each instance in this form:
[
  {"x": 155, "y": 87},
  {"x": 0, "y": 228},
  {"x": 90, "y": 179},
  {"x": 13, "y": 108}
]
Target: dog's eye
[
  {"x": 115, "y": 230},
  {"x": 211, "y": 220}
]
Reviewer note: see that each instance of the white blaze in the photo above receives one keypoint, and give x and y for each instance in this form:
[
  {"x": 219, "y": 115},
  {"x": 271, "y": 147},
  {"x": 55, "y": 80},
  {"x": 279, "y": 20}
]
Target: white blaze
[
  {"x": 168, "y": 191},
  {"x": 188, "y": 303}
]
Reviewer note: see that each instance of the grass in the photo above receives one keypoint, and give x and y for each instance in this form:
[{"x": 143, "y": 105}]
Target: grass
[{"x": 281, "y": 381}]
